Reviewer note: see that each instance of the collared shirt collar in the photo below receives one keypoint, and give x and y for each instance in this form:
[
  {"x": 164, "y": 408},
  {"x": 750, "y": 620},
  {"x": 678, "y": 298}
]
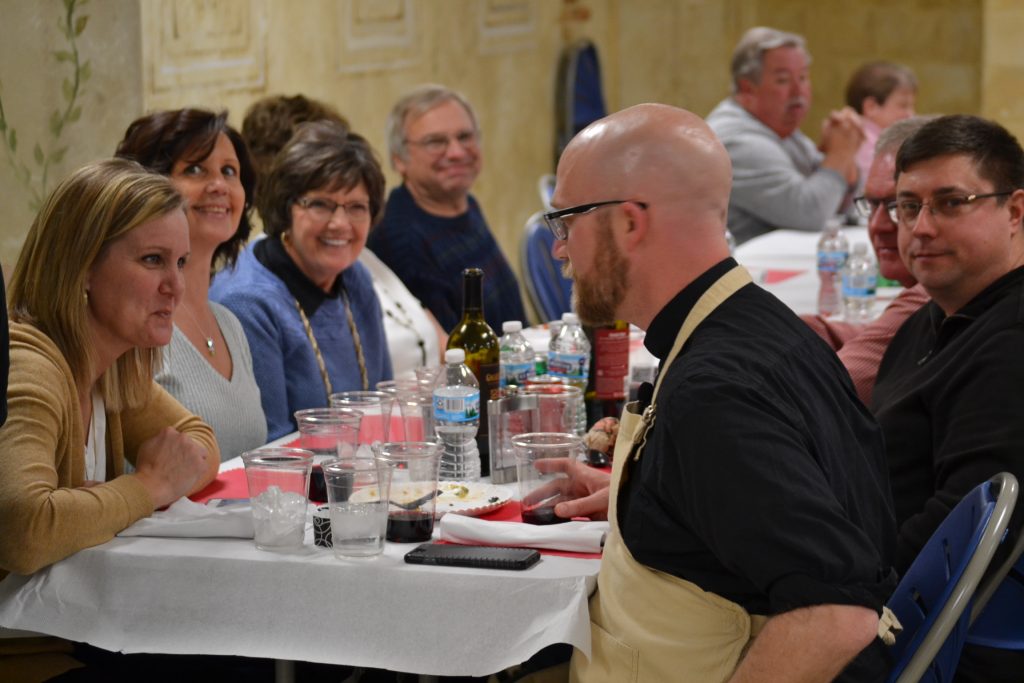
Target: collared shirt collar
[
  {"x": 662, "y": 331},
  {"x": 945, "y": 325},
  {"x": 271, "y": 253},
  {"x": 984, "y": 299}
]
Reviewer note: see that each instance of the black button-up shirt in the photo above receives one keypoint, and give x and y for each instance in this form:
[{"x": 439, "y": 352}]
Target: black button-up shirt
[{"x": 763, "y": 479}]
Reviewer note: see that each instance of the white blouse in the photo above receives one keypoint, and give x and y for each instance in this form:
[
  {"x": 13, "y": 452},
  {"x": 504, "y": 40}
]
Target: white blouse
[{"x": 96, "y": 442}]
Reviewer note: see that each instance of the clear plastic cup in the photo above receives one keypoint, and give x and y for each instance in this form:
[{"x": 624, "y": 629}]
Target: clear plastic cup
[
  {"x": 558, "y": 406},
  {"x": 357, "y": 496},
  {"x": 540, "y": 491},
  {"x": 376, "y": 409},
  {"x": 327, "y": 433},
  {"x": 413, "y": 494},
  {"x": 278, "y": 480}
]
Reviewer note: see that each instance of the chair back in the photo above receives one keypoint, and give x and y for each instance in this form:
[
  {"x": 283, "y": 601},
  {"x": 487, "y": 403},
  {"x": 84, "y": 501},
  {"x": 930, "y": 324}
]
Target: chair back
[
  {"x": 932, "y": 601},
  {"x": 1001, "y": 624},
  {"x": 549, "y": 292}
]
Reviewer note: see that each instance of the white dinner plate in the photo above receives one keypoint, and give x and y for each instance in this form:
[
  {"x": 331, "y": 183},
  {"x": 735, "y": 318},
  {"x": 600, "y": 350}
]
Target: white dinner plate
[{"x": 470, "y": 498}]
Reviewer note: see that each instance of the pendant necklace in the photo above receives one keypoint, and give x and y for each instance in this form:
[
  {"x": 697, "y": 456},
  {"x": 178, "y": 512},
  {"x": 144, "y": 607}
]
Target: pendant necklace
[{"x": 209, "y": 339}]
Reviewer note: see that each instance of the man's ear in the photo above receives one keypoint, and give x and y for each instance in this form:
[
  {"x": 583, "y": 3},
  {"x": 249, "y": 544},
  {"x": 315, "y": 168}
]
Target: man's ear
[
  {"x": 744, "y": 90},
  {"x": 1015, "y": 203},
  {"x": 398, "y": 164},
  {"x": 636, "y": 222}
]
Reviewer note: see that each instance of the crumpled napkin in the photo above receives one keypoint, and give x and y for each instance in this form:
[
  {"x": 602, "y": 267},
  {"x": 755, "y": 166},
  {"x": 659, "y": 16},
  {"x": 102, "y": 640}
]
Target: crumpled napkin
[
  {"x": 579, "y": 537},
  {"x": 186, "y": 519}
]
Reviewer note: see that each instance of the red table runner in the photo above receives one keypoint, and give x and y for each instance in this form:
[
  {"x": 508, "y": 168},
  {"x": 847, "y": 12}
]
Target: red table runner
[
  {"x": 774, "y": 276},
  {"x": 232, "y": 484}
]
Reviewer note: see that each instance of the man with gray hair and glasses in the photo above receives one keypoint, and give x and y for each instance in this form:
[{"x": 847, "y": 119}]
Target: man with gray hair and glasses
[
  {"x": 859, "y": 346},
  {"x": 433, "y": 227},
  {"x": 780, "y": 178}
]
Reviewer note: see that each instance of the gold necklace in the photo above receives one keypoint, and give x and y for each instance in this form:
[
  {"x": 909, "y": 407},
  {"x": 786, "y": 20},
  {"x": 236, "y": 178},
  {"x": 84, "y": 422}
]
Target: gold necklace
[{"x": 208, "y": 338}]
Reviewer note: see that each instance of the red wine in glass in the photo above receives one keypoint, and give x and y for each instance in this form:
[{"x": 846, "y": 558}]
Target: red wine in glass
[
  {"x": 409, "y": 526},
  {"x": 542, "y": 514}
]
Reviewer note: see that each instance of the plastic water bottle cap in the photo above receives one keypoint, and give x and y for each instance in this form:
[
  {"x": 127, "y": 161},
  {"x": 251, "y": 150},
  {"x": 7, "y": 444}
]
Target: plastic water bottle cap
[
  {"x": 454, "y": 356},
  {"x": 511, "y": 326},
  {"x": 570, "y": 319}
]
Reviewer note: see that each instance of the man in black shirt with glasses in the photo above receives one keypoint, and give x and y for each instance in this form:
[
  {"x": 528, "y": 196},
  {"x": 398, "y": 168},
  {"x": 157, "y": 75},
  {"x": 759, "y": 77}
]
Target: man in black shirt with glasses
[
  {"x": 950, "y": 389},
  {"x": 752, "y": 529}
]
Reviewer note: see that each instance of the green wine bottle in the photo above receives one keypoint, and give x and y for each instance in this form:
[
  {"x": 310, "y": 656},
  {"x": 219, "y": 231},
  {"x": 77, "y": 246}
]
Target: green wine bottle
[{"x": 474, "y": 336}]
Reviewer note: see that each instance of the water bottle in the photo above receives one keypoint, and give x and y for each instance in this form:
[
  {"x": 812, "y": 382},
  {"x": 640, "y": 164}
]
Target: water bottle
[
  {"x": 555, "y": 326},
  {"x": 457, "y": 417},
  {"x": 860, "y": 279},
  {"x": 833, "y": 249},
  {"x": 569, "y": 360},
  {"x": 517, "y": 357}
]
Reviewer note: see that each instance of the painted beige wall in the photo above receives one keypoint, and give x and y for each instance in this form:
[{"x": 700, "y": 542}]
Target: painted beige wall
[
  {"x": 940, "y": 41},
  {"x": 31, "y": 81},
  {"x": 360, "y": 55},
  {"x": 1002, "y": 64}
]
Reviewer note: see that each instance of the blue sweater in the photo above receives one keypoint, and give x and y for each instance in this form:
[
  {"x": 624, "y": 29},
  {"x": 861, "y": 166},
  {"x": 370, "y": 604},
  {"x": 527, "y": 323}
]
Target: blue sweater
[
  {"x": 430, "y": 252},
  {"x": 283, "y": 359}
]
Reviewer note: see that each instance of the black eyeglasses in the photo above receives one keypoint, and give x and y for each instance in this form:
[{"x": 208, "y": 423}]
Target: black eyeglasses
[
  {"x": 946, "y": 206},
  {"x": 555, "y": 220}
]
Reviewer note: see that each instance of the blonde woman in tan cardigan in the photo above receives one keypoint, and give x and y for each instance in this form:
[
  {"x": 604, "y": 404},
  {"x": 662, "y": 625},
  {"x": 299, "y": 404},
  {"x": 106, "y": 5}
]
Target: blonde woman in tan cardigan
[{"x": 91, "y": 301}]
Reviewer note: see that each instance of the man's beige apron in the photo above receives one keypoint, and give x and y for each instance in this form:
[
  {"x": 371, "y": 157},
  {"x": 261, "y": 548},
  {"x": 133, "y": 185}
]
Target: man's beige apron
[{"x": 646, "y": 625}]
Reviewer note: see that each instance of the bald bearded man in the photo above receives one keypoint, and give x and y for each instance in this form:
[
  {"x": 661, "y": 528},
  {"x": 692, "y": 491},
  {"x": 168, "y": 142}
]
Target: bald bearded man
[{"x": 752, "y": 529}]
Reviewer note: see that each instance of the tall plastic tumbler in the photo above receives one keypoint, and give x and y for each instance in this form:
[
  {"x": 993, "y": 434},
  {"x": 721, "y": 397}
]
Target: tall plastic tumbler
[
  {"x": 327, "y": 433},
  {"x": 376, "y": 409},
  {"x": 278, "y": 479},
  {"x": 357, "y": 494},
  {"x": 413, "y": 488}
]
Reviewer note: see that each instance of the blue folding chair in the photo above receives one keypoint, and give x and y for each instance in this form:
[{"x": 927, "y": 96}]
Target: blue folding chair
[
  {"x": 997, "y": 619},
  {"x": 932, "y": 600},
  {"x": 549, "y": 292}
]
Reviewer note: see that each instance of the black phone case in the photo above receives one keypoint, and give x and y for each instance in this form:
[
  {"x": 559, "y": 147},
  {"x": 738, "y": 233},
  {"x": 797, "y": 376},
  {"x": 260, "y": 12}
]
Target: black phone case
[{"x": 485, "y": 557}]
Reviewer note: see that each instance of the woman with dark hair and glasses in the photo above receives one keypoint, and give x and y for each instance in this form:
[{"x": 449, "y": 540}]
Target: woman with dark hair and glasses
[
  {"x": 308, "y": 308},
  {"x": 207, "y": 365}
]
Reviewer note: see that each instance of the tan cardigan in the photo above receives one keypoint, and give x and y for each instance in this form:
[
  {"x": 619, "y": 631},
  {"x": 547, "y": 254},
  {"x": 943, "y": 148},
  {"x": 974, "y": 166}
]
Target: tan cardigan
[{"x": 44, "y": 514}]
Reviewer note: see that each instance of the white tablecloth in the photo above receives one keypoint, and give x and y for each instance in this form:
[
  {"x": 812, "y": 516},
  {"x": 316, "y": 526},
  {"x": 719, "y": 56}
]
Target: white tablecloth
[
  {"x": 785, "y": 263},
  {"x": 223, "y": 596}
]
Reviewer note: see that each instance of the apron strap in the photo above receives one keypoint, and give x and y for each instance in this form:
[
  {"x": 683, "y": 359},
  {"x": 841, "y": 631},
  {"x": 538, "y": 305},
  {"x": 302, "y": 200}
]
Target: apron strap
[{"x": 722, "y": 289}]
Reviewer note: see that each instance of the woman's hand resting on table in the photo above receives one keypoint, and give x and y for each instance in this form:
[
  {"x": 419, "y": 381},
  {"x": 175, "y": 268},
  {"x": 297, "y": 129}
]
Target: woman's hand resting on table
[
  {"x": 169, "y": 465},
  {"x": 587, "y": 487}
]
